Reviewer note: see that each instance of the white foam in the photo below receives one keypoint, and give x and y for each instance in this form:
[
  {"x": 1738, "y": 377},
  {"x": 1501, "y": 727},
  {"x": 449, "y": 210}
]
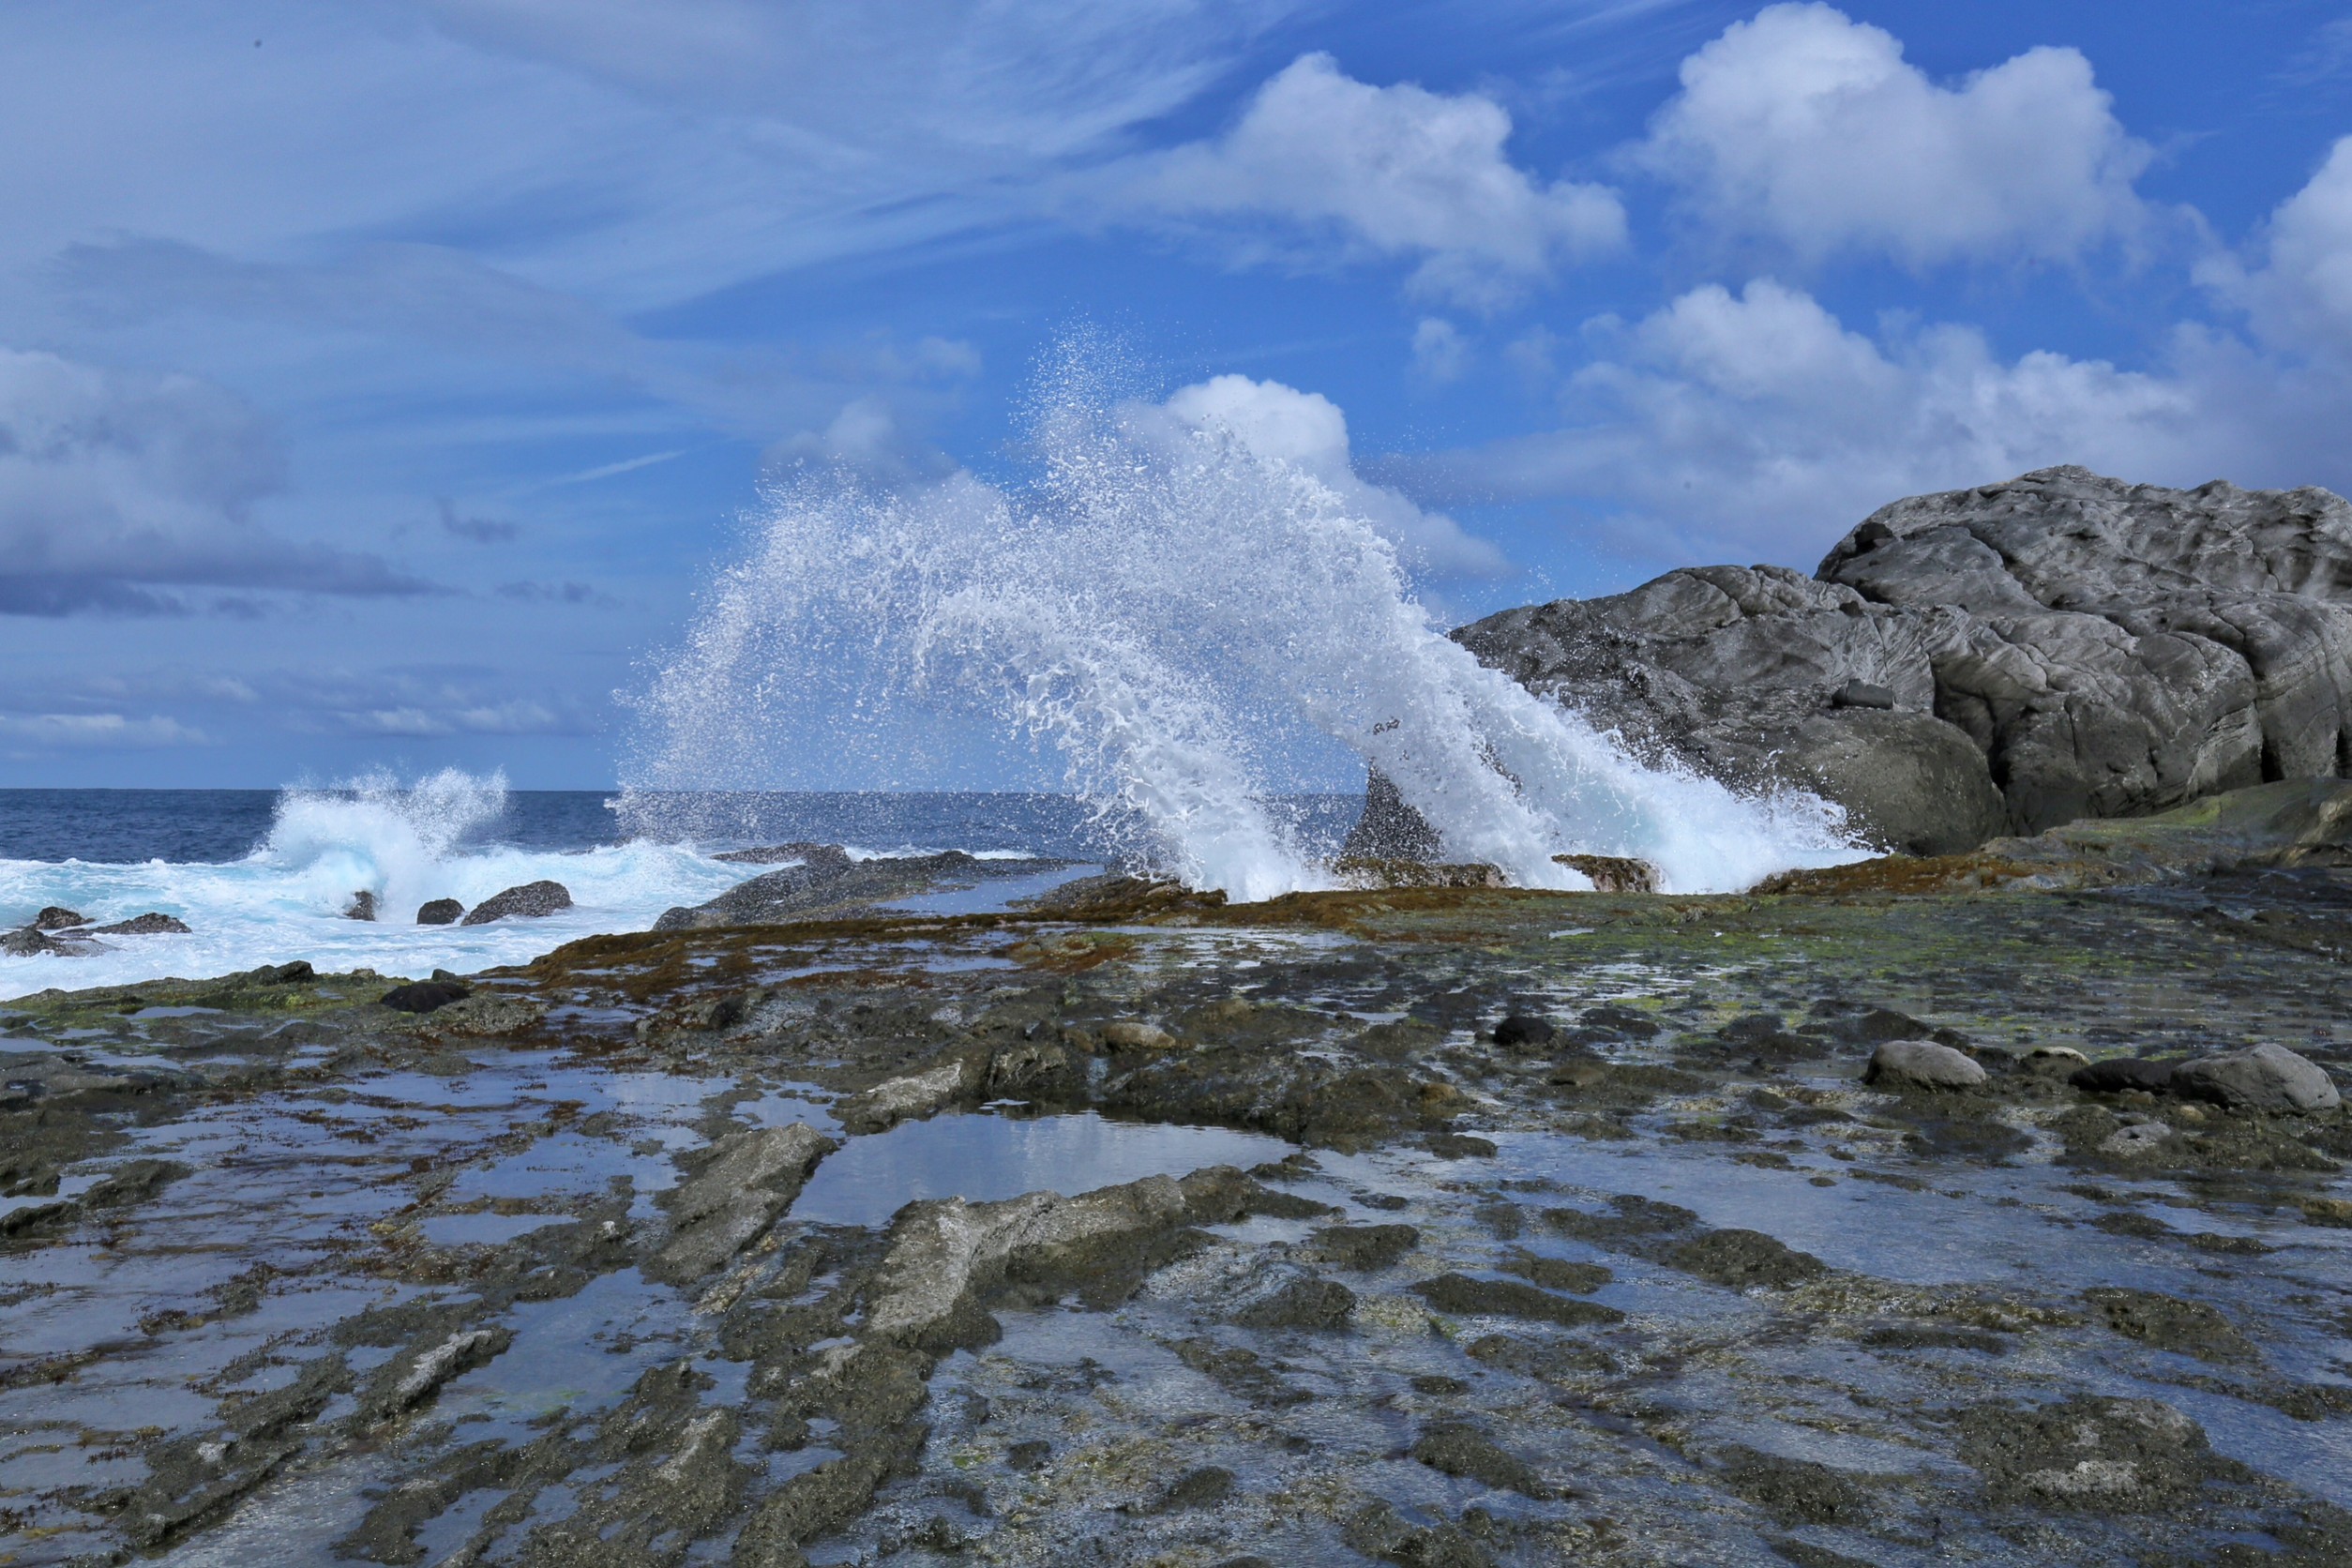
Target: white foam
[
  {"x": 1184, "y": 619},
  {"x": 284, "y": 900}
]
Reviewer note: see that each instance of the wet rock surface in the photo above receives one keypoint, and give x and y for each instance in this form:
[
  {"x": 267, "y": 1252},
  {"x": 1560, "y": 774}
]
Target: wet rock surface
[{"x": 1414, "y": 1225}]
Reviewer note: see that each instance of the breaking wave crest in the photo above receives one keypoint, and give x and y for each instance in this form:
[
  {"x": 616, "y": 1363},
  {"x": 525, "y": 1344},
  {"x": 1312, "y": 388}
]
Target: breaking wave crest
[{"x": 1185, "y": 623}]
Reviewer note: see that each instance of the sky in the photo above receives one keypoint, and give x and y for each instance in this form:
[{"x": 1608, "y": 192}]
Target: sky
[{"x": 381, "y": 383}]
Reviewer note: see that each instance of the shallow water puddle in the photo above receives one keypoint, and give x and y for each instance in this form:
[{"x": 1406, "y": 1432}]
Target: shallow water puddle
[{"x": 984, "y": 1158}]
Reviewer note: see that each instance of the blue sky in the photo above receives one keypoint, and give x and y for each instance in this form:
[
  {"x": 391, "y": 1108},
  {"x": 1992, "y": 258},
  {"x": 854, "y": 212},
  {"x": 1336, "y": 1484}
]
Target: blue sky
[{"x": 379, "y": 382}]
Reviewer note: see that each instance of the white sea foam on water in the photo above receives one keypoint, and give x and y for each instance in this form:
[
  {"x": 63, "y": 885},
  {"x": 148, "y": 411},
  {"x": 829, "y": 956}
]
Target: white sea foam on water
[
  {"x": 1181, "y": 617},
  {"x": 405, "y": 844}
]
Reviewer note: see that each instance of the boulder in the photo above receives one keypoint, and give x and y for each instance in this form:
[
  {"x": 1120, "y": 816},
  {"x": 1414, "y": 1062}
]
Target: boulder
[
  {"x": 1921, "y": 1064},
  {"x": 362, "y": 906},
  {"x": 439, "y": 912},
  {"x": 532, "y": 900},
  {"x": 423, "y": 996},
  {"x": 2001, "y": 659},
  {"x": 2261, "y": 1077},
  {"x": 56, "y": 919},
  {"x": 148, "y": 925}
]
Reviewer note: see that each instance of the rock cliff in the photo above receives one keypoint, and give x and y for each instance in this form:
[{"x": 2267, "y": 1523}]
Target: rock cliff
[{"x": 1998, "y": 659}]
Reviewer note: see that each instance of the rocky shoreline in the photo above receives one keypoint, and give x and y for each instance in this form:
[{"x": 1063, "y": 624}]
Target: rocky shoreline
[{"x": 1874, "y": 1221}]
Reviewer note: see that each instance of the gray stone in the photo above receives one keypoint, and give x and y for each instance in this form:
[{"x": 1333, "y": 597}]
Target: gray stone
[
  {"x": 747, "y": 1180},
  {"x": 56, "y": 919},
  {"x": 2005, "y": 659},
  {"x": 532, "y": 900},
  {"x": 1921, "y": 1064},
  {"x": 2261, "y": 1077},
  {"x": 439, "y": 912}
]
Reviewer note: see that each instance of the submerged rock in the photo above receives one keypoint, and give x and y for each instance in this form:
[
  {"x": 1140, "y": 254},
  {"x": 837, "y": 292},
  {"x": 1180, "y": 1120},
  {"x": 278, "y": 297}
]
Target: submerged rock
[
  {"x": 439, "y": 912},
  {"x": 362, "y": 906},
  {"x": 532, "y": 900}
]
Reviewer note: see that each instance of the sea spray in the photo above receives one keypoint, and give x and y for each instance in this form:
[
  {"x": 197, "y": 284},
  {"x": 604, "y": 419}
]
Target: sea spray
[
  {"x": 379, "y": 835},
  {"x": 1188, "y": 623}
]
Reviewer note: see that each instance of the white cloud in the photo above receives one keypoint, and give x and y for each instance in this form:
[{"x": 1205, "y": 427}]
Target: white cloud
[
  {"x": 1810, "y": 129},
  {"x": 1397, "y": 172},
  {"x": 1309, "y": 431},
  {"x": 113, "y": 484},
  {"x": 1441, "y": 352},
  {"x": 81, "y": 732},
  {"x": 2300, "y": 291},
  {"x": 1756, "y": 424}
]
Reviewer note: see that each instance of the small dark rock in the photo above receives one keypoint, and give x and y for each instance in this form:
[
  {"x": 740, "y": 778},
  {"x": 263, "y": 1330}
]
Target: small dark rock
[
  {"x": 1362, "y": 1246},
  {"x": 1798, "y": 1490},
  {"x": 1457, "y": 1448},
  {"x": 530, "y": 901},
  {"x": 1508, "y": 1298},
  {"x": 1742, "y": 1258},
  {"x": 282, "y": 975},
  {"x": 1029, "y": 1455},
  {"x": 1204, "y": 1487},
  {"x": 1460, "y": 1146},
  {"x": 1861, "y": 694},
  {"x": 148, "y": 925},
  {"x": 362, "y": 906},
  {"x": 1522, "y": 1031},
  {"x": 56, "y": 919},
  {"x": 2186, "y": 1328},
  {"x": 423, "y": 996},
  {"x": 2114, "y": 1076},
  {"x": 1300, "y": 1303},
  {"x": 439, "y": 911},
  {"x": 1558, "y": 1274}
]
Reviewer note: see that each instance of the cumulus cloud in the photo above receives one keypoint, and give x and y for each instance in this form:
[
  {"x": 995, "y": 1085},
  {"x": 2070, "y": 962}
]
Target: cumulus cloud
[
  {"x": 117, "y": 486},
  {"x": 1756, "y": 424},
  {"x": 1807, "y": 129},
  {"x": 1309, "y": 431},
  {"x": 2298, "y": 288},
  {"x": 1394, "y": 172}
]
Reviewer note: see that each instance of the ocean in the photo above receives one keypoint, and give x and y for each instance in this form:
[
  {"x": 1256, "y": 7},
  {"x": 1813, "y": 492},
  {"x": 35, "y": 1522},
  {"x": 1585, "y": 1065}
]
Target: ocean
[{"x": 263, "y": 876}]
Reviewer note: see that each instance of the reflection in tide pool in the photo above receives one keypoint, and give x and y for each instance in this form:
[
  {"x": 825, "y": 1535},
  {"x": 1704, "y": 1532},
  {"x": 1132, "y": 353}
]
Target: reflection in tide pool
[{"x": 985, "y": 1157}]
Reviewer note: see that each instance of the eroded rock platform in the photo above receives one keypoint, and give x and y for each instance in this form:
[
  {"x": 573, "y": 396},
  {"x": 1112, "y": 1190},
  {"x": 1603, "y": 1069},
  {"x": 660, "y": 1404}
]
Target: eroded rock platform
[{"x": 1145, "y": 1230}]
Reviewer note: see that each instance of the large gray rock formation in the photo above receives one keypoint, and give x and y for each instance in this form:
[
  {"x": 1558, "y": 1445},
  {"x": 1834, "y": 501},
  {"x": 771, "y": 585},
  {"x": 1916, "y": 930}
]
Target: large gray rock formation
[{"x": 2003, "y": 658}]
